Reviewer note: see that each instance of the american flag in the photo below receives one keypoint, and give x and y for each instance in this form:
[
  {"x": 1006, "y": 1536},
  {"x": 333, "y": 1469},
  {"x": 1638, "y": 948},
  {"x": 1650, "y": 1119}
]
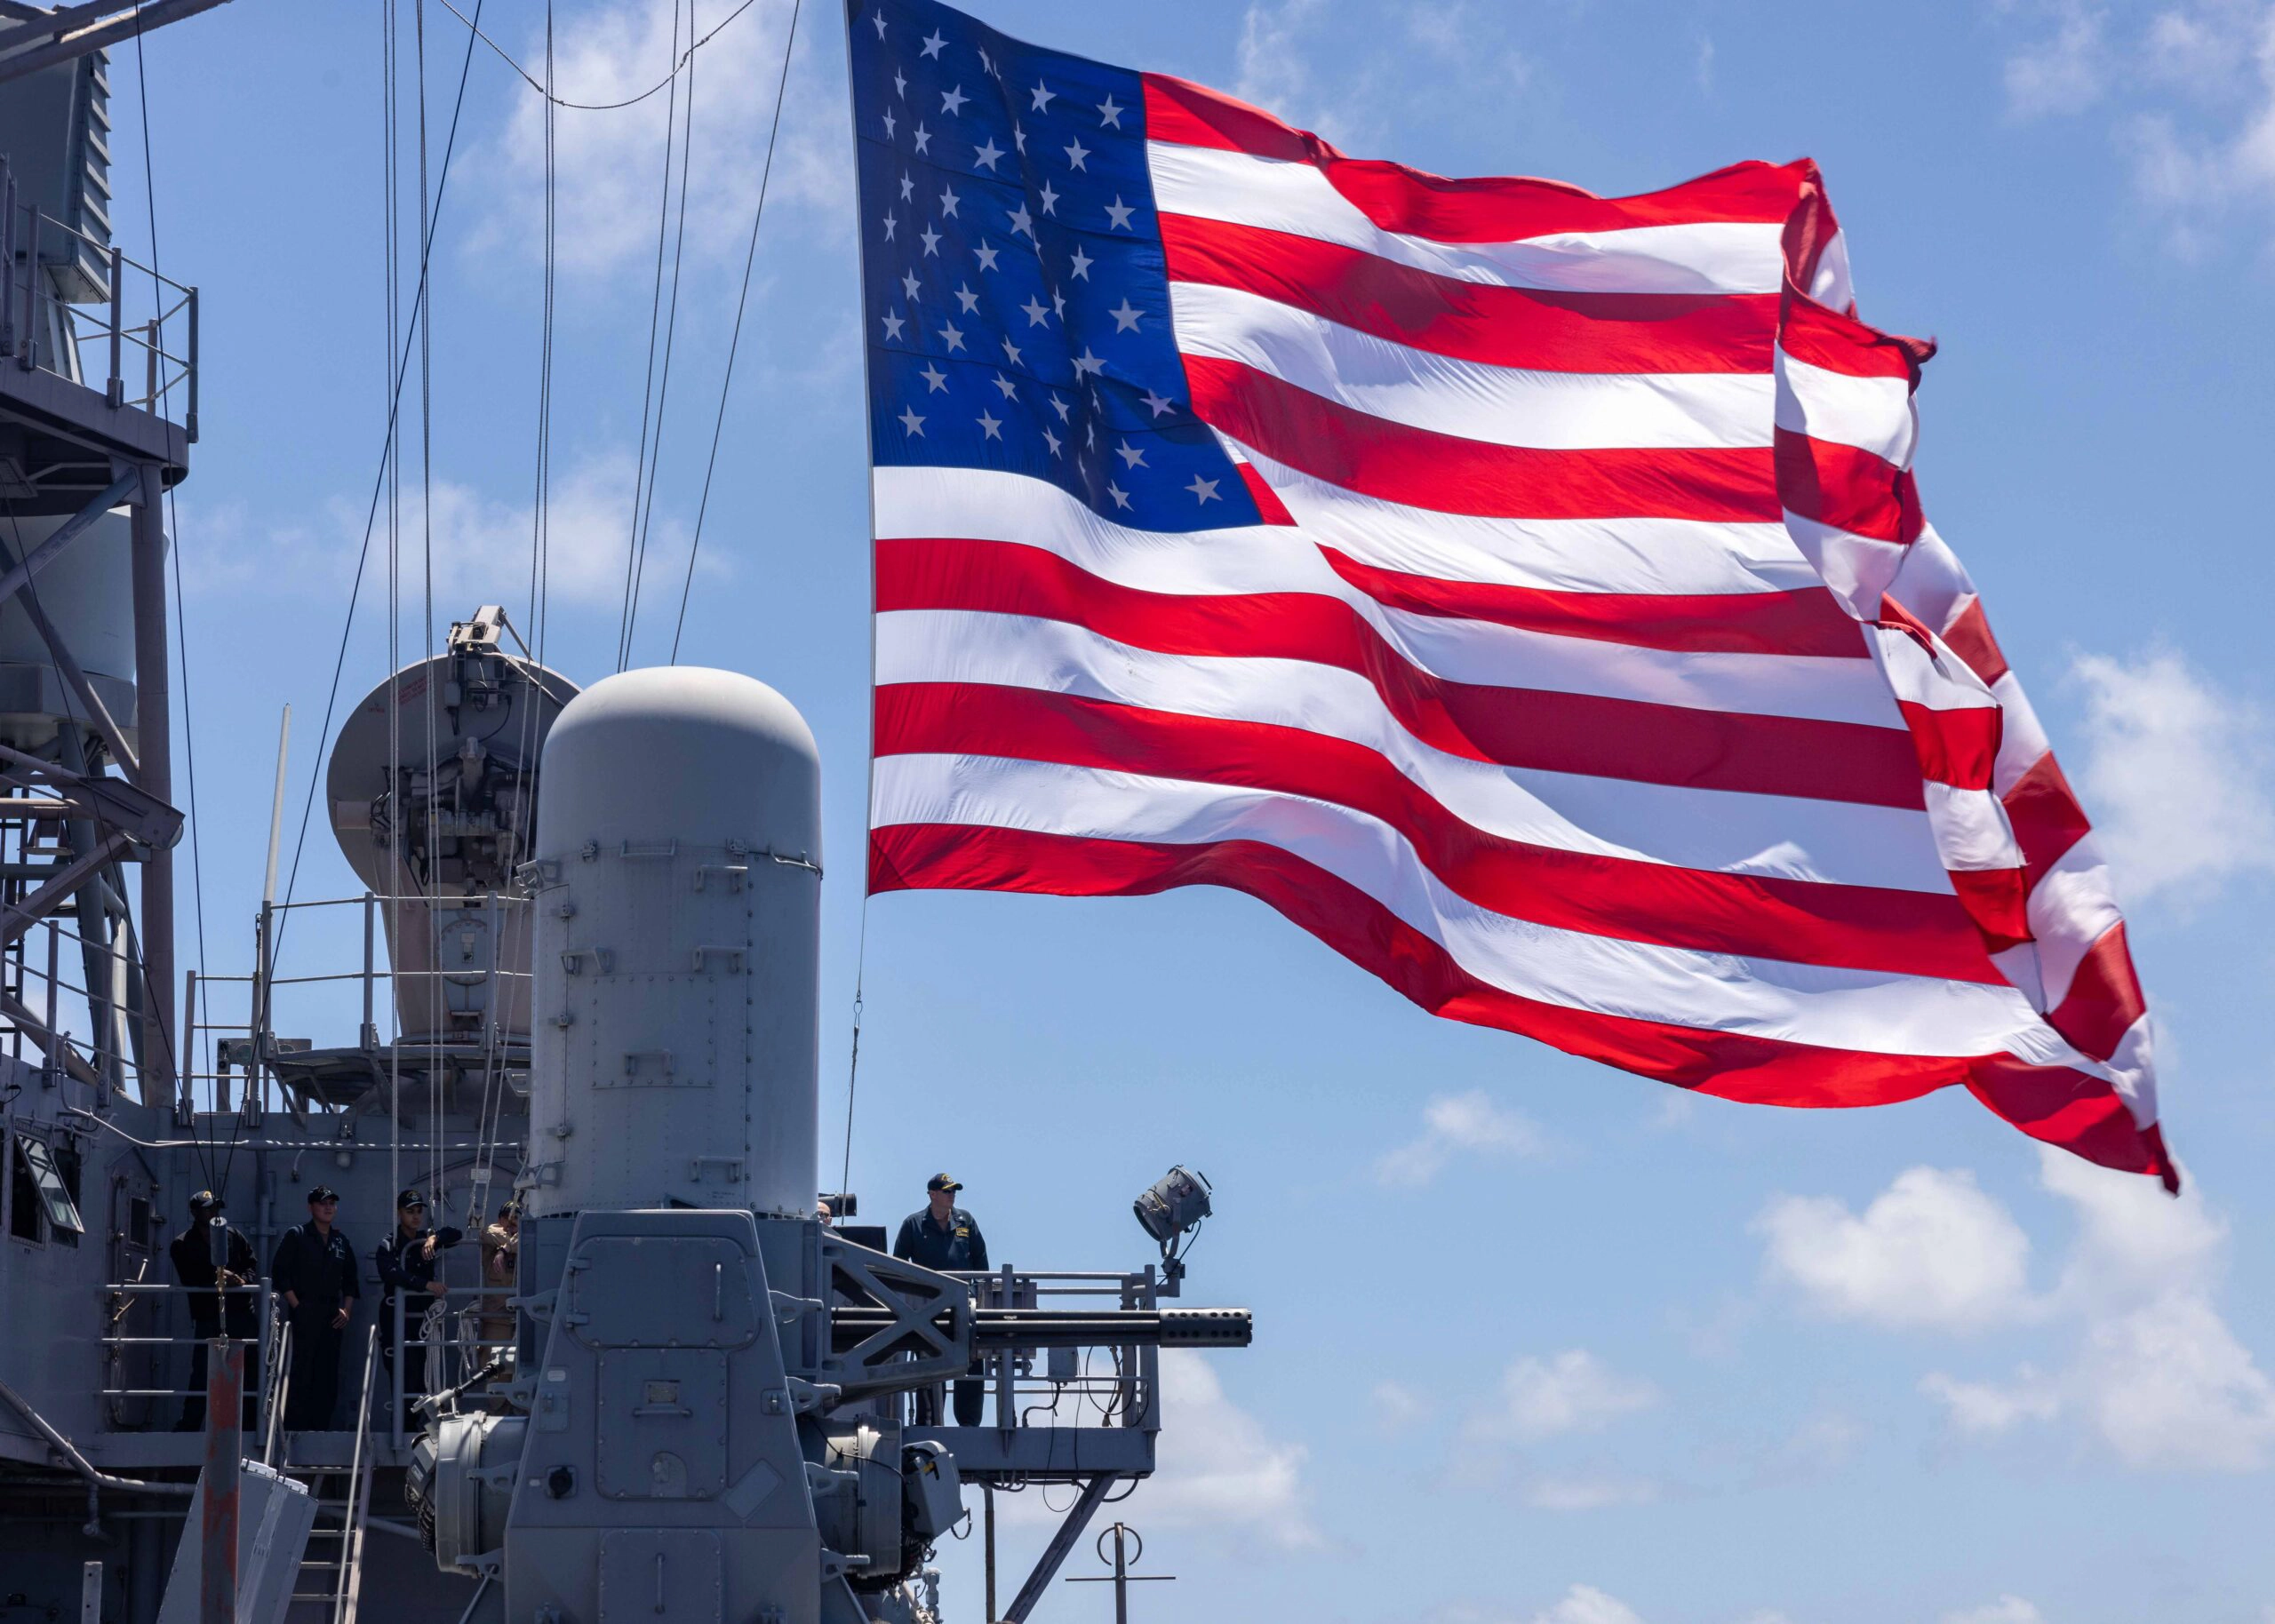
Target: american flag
[{"x": 1525, "y": 592}]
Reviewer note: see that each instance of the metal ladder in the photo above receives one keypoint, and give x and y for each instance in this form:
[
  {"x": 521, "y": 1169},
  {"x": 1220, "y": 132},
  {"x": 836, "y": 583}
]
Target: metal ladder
[{"x": 336, "y": 1578}]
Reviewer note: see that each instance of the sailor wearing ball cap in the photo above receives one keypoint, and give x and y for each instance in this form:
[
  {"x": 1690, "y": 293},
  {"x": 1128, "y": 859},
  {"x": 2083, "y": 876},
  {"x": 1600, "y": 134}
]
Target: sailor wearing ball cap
[
  {"x": 193, "y": 1254},
  {"x": 314, "y": 1272},
  {"x": 945, "y": 1236}
]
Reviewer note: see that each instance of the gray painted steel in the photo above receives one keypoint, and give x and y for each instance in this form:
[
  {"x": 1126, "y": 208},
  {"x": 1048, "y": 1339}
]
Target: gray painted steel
[
  {"x": 678, "y": 894},
  {"x": 274, "y": 1515},
  {"x": 87, "y": 595},
  {"x": 465, "y": 730}
]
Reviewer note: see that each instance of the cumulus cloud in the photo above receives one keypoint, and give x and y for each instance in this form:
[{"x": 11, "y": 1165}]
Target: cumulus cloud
[
  {"x": 2006, "y": 1610},
  {"x": 1399, "y": 1408},
  {"x": 481, "y": 545},
  {"x": 2177, "y": 776},
  {"x": 2189, "y": 86},
  {"x": 1985, "y": 1409},
  {"x": 1930, "y": 1252},
  {"x": 1274, "y": 72},
  {"x": 2158, "y": 1376},
  {"x": 1572, "y": 1391},
  {"x": 1219, "y": 1469},
  {"x": 1459, "y": 1125},
  {"x": 1557, "y": 1492},
  {"x": 610, "y": 165},
  {"x": 1586, "y": 1604},
  {"x": 2062, "y": 71}
]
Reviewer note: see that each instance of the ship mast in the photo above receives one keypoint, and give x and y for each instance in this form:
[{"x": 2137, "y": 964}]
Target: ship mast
[{"x": 32, "y": 39}]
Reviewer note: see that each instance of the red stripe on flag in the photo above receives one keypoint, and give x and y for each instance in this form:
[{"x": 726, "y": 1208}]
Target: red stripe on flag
[
  {"x": 1997, "y": 901},
  {"x": 1421, "y": 468},
  {"x": 953, "y": 856},
  {"x": 1864, "y": 928},
  {"x": 1969, "y": 636},
  {"x": 2104, "y": 998},
  {"x": 2045, "y": 815},
  {"x": 1492, "y": 209},
  {"x": 2075, "y": 1111},
  {"x": 1269, "y": 507},
  {"x": 1839, "y": 342},
  {"x": 1542, "y": 729},
  {"x": 1841, "y": 485},
  {"x": 1540, "y": 330},
  {"x": 1958, "y": 747},
  {"x": 2070, "y": 1108},
  {"x": 1808, "y": 623}
]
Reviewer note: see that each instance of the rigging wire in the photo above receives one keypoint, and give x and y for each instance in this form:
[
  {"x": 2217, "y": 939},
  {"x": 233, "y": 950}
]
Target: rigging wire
[
  {"x": 540, "y": 507},
  {"x": 186, "y": 1049},
  {"x": 431, "y": 223},
  {"x": 431, "y": 880},
  {"x": 680, "y": 59},
  {"x": 647, "y": 524},
  {"x": 853, "y": 1065},
  {"x": 391, "y": 232},
  {"x": 647, "y": 380},
  {"x": 734, "y": 343}
]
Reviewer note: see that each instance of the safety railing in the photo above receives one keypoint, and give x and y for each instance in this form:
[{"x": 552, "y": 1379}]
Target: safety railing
[
  {"x": 455, "y": 1342},
  {"x": 252, "y": 1050},
  {"x": 143, "y": 346},
  {"x": 1105, "y": 1386},
  {"x": 277, "y": 1392},
  {"x": 109, "y": 1057},
  {"x": 120, "y": 1348},
  {"x": 342, "y": 1572}
]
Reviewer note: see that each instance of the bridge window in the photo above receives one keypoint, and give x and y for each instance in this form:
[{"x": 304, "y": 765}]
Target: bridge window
[{"x": 40, "y": 1186}]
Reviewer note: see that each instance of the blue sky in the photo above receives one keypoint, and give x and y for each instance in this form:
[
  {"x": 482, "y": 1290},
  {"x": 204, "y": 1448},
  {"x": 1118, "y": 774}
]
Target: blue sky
[{"x": 1539, "y": 1343}]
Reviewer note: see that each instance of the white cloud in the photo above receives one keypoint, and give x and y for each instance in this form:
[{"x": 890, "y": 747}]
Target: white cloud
[
  {"x": 1986, "y": 1409},
  {"x": 1586, "y": 1604},
  {"x": 1587, "y": 1494},
  {"x": 609, "y": 166},
  {"x": 2158, "y": 1376},
  {"x": 1455, "y": 1124},
  {"x": 2006, "y": 1610},
  {"x": 481, "y": 547},
  {"x": 2169, "y": 1388},
  {"x": 1574, "y": 1391},
  {"x": 2190, "y": 86},
  {"x": 1399, "y": 1408},
  {"x": 1274, "y": 73},
  {"x": 1932, "y": 1251},
  {"x": 1219, "y": 1469},
  {"x": 2062, "y": 72},
  {"x": 1275, "y": 70},
  {"x": 2175, "y": 774}
]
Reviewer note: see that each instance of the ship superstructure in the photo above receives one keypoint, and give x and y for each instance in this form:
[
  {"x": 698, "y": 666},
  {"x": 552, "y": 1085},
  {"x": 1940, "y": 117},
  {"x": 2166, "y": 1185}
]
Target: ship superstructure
[{"x": 586, "y": 989}]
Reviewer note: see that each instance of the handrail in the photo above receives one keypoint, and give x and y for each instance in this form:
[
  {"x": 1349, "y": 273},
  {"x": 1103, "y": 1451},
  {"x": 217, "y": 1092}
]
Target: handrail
[
  {"x": 276, "y": 1387},
  {"x": 79, "y": 1463},
  {"x": 349, "y": 1595}
]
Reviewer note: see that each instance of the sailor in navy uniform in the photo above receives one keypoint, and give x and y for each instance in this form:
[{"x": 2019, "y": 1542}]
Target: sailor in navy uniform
[
  {"x": 411, "y": 1262},
  {"x": 192, "y": 1252},
  {"x": 945, "y": 1236},
  {"x": 314, "y": 1275}
]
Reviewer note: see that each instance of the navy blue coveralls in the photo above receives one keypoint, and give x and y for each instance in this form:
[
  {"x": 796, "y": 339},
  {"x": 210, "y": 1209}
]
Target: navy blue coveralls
[
  {"x": 956, "y": 1246},
  {"x": 320, "y": 1270}
]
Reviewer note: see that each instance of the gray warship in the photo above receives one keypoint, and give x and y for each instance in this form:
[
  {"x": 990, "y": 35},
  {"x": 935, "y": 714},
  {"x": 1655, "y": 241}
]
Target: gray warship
[{"x": 683, "y": 1391}]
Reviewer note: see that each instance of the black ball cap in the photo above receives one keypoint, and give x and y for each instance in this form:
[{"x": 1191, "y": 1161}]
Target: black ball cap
[
  {"x": 323, "y": 1192},
  {"x": 941, "y": 1180},
  {"x": 205, "y": 1201},
  {"x": 408, "y": 1197}
]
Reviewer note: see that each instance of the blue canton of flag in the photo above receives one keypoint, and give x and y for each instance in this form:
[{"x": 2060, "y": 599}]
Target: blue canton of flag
[{"x": 1015, "y": 292}]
